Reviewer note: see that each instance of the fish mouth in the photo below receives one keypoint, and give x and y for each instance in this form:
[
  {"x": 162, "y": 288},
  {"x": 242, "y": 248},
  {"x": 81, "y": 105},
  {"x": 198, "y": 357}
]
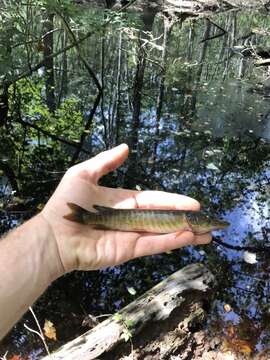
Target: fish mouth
[{"x": 221, "y": 224}]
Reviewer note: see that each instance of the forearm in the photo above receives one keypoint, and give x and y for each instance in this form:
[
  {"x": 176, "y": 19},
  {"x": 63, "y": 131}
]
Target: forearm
[{"x": 28, "y": 264}]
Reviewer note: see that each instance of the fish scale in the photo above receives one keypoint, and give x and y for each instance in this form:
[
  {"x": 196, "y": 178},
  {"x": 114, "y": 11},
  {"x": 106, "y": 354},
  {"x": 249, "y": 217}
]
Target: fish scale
[{"x": 154, "y": 221}]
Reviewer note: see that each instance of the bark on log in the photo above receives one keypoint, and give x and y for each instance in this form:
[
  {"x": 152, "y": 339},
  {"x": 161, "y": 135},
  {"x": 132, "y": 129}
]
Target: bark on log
[{"x": 164, "y": 302}]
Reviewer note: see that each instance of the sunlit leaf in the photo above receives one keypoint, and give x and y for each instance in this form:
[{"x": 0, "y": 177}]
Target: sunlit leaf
[
  {"x": 49, "y": 330},
  {"x": 209, "y": 152},
  {"x": 212, "y": 166},
  {"x": 131, "y": 290},
  {"x": 227, "y": 308},
  {"x": 117, "y": 317},
  {"x": 40, "y": 206},
  {"x": 242, "y": 346},
  {"x": 126, "y": 335}
]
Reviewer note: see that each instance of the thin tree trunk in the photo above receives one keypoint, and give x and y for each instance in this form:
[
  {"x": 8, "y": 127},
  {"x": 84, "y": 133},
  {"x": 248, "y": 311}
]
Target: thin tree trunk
[
  {"x": 167, "y": 30},
  {"x": 203, "y": 50},
  {"x": 136, "y": 106},
  {"x": 63, "y": 72},
  {"x": 118, "y": 90},
  {"x": 106, "y": 122},
  {"x": 49, "y": 61},
  {"x": 148, "y": 16}
]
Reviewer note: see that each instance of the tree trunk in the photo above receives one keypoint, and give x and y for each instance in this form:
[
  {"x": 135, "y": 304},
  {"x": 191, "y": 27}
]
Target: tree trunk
[
  {"x": 203, "y": 49},
  {"x": 48, "y": 61},
  {"x": 160, "y": 98},
  {"x": 165, "y": 314}
]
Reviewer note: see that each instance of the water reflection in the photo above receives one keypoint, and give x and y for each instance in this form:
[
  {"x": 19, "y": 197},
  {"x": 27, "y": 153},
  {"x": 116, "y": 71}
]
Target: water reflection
[
  {"x": 230, "y": 110},
  {"x": 207, "y": 138}
]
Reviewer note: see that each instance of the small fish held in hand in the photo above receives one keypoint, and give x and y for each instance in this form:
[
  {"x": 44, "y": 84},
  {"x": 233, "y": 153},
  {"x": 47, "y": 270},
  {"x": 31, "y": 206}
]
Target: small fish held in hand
[{"x": 144, "y": 220}]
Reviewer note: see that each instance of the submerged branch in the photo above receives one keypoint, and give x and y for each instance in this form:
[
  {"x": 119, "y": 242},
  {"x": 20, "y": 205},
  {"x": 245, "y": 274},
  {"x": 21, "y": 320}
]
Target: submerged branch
[
  {"x": 222, "y": 32},
  {"x": 254, "y": 249}
]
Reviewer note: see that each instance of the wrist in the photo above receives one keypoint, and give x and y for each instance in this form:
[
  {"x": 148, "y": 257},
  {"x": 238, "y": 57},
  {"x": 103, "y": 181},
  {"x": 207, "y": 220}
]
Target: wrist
[{"x": 48, "y": 247}]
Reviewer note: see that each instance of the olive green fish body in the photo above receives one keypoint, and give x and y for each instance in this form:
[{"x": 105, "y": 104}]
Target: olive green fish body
[{"x": 142, "y": 220}]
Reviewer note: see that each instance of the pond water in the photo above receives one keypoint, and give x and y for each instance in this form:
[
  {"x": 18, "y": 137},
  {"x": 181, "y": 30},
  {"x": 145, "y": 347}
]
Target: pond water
[{"x": 203, "y": 130}]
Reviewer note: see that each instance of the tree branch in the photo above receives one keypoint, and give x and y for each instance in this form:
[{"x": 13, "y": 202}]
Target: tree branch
[
  {"x": 254, "y": 249},
  {"x": 223, "y": 32},
  {"x": 85, "y": 132}
]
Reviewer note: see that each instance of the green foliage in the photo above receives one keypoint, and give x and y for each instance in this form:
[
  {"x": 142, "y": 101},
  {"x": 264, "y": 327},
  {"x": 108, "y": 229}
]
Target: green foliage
[
  {"x": 67, "y": 121},
  {"x": 67, "y": 7},
  {"x": 127, "y": 326}
]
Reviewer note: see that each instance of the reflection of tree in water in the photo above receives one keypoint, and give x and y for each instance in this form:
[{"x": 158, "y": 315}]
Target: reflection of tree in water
[{"x": 157, "y": 96}]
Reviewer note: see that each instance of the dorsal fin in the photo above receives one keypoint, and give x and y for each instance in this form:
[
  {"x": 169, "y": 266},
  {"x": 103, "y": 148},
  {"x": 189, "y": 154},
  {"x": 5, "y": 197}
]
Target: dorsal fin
[{"x": 102, "y": 208}]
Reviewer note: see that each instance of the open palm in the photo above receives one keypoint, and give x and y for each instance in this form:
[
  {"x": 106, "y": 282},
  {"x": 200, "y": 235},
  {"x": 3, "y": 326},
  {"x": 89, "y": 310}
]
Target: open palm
[{"x": 84, "y": 248}]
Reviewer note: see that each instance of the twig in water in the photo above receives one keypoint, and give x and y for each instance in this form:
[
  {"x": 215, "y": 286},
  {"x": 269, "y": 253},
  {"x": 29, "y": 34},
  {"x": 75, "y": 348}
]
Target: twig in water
[
  {"x": 4, "y": 357},
  {"x": 39, "y": 333}
]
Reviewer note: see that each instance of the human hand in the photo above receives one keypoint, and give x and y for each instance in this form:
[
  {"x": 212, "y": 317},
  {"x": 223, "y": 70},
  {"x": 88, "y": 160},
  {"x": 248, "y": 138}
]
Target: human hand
[{"x": 81, "y": 246}]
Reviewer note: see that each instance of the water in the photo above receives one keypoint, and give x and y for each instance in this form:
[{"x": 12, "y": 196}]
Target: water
[{"x": 208, "y": 138}]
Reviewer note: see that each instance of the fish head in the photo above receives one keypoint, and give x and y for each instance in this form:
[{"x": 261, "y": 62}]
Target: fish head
[{"x": 201, "y": 223}]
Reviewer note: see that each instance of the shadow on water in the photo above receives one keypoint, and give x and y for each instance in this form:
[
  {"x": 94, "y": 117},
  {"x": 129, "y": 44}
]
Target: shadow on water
[{"x": 202, "y": 129}]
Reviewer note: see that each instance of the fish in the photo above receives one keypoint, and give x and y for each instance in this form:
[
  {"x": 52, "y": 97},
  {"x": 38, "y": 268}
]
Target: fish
[{"x": 157, "y": 221}]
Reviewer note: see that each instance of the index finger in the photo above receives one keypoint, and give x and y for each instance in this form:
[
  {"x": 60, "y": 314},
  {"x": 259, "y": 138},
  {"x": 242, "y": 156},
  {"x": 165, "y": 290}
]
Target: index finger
[
  {"x": 148, "y": 199},
  {"x": 164, "y": 200}
]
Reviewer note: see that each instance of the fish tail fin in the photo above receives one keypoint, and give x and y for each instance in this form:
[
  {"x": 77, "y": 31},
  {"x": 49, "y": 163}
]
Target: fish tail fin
[{"x": 76, "y": 213}]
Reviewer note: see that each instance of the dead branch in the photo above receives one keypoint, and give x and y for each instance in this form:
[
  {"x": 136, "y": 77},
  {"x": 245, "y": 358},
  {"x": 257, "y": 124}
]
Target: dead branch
[
  {"x": 254, "y": 249},
  {"x": 223, "y": 32}
]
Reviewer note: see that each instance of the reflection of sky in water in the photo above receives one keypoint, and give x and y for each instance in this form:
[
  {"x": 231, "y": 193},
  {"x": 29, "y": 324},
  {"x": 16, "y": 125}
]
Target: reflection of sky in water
[
  {"x": 223, "y": 113},
  {"x": 231, "y": 109},
  {"x": 247, "y": 219},
  {"x": 250, "y": 216}
]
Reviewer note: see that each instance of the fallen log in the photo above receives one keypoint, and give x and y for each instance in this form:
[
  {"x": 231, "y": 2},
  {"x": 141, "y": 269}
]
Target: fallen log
[{"x": 170, "y": 309}]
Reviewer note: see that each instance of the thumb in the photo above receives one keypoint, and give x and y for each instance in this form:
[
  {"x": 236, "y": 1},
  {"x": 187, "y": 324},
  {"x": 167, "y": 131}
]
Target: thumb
[{"x": 106, "y": 162}]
